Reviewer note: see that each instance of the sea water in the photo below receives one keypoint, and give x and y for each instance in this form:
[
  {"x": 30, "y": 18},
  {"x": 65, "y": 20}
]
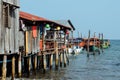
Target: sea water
[{"x": 105, "y": 66}]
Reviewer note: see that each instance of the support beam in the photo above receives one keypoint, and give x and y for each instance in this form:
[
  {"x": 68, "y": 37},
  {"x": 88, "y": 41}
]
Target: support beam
[
  {"x": 4, "y": 69},
  {"x": 29, "y": 64},
  {"x": 61, "y": 59},
  {"x": 88, "y": 42},
  {"x": 19, "y": 66},
  {"x": 51, "y": 61},
  {"x": 13, "y": 68},
  {"x": 65, "y": 60},
  {"x": 44, "y": 62},
  {"x": 35, "y": 62},
  {"x": 57, "y": 55}
]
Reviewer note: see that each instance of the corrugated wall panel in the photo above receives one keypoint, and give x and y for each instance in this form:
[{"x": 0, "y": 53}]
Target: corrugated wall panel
[
  {"x": 2, "y": 31},
  {"x": 29, "y": 41},
  {"x": 9, "y": 36},
  {"x": 12, "y": 34},
  {"x": 1, "y": 49},
  {"x": 7, "y": 40},
  {"x": 21, "y": 39},
  {"x": 0, "y": 24},
  {"x": 16, "y": 22}
]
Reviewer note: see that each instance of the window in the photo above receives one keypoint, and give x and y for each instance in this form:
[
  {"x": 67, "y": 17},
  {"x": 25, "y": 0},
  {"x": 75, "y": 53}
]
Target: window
[{"x": 8, "y": 13}]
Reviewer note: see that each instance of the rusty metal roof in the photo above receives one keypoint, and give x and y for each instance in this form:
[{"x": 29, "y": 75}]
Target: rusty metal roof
[{"x": 31, "y": 17}]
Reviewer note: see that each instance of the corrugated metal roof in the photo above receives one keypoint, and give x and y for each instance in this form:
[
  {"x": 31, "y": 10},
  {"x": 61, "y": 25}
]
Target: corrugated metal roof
[
  {"x": 31, "y": 17},
  {"x": 28, "y": 16},
  {"x": 65, "y": 23}
]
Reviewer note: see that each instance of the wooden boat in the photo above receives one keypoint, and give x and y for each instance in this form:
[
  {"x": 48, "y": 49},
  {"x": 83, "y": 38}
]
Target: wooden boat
[
  {"x": 75, "y": 47},
  {"x": 105, "y": 44},
  {"x": 94, "y": 44}
]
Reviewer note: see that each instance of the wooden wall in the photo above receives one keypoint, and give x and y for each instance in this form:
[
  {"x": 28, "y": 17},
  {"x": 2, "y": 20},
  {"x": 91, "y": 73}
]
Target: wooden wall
[
  {"x": 0, "y": 26},
  {"x": 9, "y": 35},
  {"x": 30, "y": 44}
]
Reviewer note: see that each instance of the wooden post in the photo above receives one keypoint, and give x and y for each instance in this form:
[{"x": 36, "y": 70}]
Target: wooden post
[
  {"x": 19, "y": 66},
  {"x": 51, "y": 61},
  {"x": 35, "y": 62},
  {"x": 78, "y": 40},
  {"x": 13, "y": 68},
  {"x": 44, "y": 62},
  {"x": 88, "y": 42},
  {"x": 48, "y": 60},
  {"x": 41, "y": 61},
  {"x": 4, "y": 69},
  {"x": 102, "y": 42},
  {"x": 29, "y": 64},
  {"x": 26, "y": 42},
  {"x": 43, "y": 38},
  {"x": 94, "y": 44},
  {"x": 61, "y": 59},
  {"x": 65, "y": 61},
  {"x": 81, "y": 35},
  {"x": 99, "y": 43},
  {"x": 67, "y": 58},
  {"x": 56, "y": 50},
  {"x": 31, "y": 41}
]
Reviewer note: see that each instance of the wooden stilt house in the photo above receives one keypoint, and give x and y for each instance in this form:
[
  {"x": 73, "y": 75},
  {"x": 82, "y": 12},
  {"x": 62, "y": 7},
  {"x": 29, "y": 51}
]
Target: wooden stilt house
[
  {"x": 29, "y": 33},
  {"x": 34, "y": 39},
  {"x": 42, "y": 37},
  {"x": 9, "y": 27}
]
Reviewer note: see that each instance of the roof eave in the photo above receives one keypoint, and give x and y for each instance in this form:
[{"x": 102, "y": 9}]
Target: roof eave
[{"x": 71, "y": 24}]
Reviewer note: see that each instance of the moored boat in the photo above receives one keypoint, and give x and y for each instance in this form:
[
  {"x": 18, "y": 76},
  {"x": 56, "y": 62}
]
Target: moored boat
[
  {"x": 75, "y": 48},
  {"x": 94, "y": 44},
  {"x": 105, "y": 44}
]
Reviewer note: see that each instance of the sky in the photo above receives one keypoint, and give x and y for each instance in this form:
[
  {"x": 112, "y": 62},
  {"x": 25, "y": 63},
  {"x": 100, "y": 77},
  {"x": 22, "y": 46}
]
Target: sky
[{"x": 99, "y": 16}]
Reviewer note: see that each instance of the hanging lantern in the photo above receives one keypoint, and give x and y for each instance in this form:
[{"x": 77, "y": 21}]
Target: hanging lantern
[
  {"x": 47, "y": 26},
  {"x": 67, "y": 32},
  {"x": 58, "y": 28}
]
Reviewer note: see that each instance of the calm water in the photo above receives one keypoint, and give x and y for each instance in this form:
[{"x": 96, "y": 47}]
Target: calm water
[{"x": 105, "y": 66}]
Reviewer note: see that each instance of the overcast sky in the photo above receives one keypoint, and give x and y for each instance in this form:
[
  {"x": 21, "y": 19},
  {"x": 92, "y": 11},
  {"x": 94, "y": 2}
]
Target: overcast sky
[{"x": 100, "y": 16}]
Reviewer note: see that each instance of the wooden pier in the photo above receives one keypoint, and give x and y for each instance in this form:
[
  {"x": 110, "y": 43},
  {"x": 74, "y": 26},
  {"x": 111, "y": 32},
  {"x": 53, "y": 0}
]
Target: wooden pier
[{"x": 29, "y": 42}]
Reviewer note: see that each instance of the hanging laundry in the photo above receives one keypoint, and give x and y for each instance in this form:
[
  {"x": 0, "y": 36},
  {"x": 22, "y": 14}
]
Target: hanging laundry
[
  {"x": 22, "y": 26},
  {"x": 34, "y": 31}
]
